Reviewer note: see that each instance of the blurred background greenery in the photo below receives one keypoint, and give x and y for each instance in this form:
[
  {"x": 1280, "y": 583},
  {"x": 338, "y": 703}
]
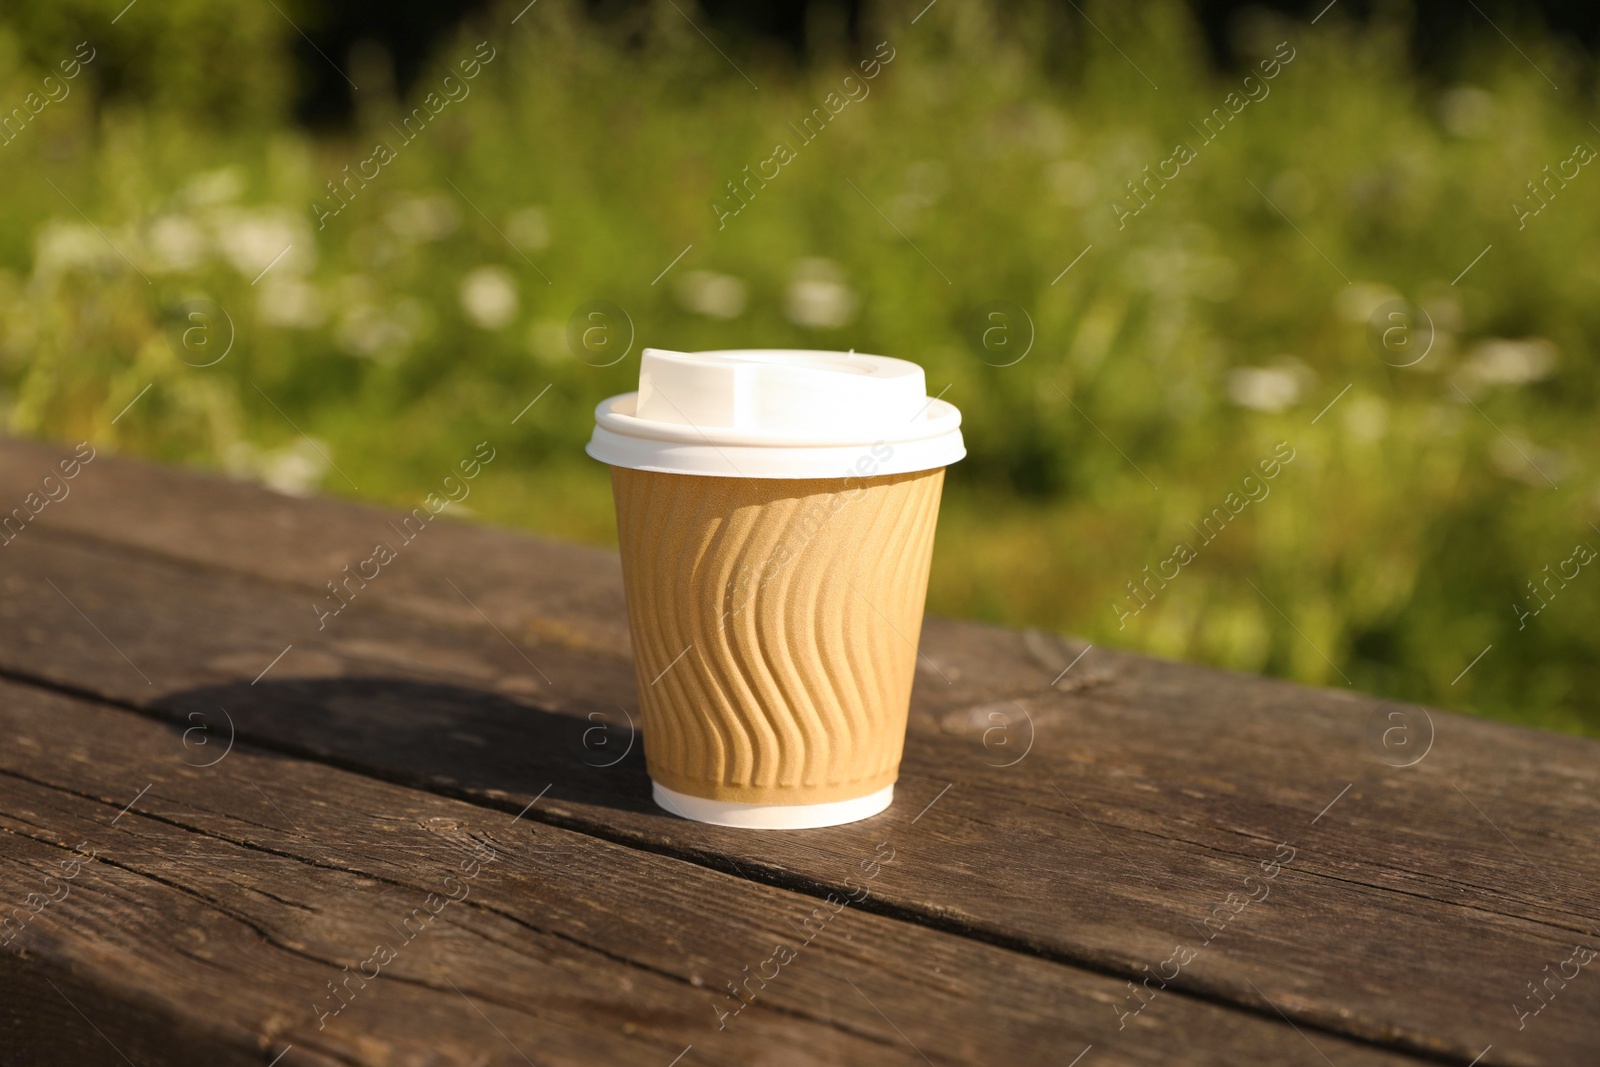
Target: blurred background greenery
[{"x": 144, "y": 204}]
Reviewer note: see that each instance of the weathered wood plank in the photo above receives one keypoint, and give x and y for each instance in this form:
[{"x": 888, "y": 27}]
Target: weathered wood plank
[
  {"x": 308, "y": 541},
  {"x": 1151, "y": 790},
  {"x": 56, "y": 1019},
  {"x": 201, "y": 913}
]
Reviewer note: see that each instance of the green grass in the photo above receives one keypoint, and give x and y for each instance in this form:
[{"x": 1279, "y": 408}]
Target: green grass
[{"x": 1176, "y": 354}]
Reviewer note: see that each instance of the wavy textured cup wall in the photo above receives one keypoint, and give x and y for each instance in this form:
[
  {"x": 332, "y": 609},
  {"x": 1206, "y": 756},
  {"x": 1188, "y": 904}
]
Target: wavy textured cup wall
[{"x": 774, "y": 628}]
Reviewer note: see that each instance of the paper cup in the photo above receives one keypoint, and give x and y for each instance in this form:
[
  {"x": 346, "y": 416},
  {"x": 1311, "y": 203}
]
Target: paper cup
[{"x": 775, "y": 616}]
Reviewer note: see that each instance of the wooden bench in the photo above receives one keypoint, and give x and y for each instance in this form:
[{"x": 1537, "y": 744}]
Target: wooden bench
[{"x": 422, "y": 833}]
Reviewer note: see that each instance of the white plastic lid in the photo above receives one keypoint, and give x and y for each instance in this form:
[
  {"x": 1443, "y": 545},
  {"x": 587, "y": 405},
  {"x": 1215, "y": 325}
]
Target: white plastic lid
[{"x": 777, "y": 413}]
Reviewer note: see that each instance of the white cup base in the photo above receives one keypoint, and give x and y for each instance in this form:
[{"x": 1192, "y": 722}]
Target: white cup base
[{"x": 771, "y": 816}]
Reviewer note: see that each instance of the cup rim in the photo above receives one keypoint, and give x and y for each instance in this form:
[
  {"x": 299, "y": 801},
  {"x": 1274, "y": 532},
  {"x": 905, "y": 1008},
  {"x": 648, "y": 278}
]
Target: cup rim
[{"x": 616, "y": 414}]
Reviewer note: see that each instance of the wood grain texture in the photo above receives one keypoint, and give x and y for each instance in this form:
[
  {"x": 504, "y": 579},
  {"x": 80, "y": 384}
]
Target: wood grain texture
[
  {"x": 232, "y": 913},
  {"x": 769, "y": 621},
  {"x": 237, "y": 526},
  {"x": 1420, "y": 904}
]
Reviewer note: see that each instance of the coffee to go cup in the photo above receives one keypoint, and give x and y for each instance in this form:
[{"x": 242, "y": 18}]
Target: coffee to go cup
[{"x": 775, "y": 513}]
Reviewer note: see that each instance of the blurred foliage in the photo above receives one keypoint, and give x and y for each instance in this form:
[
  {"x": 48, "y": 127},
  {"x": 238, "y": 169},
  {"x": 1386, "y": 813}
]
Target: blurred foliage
[
  {"x": 1173, "y": 356},
  {"x": 206, "y": 61}
]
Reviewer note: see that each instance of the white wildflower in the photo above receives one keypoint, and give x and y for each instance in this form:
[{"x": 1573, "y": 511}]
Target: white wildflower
[
  {"x": 290, "y": 302},
  {"x": 384, "y": 334},
  {"x": 818, "y": 297},
  {"x": 176, "y": 243},
  {"x": 254, "y": 240},
  {"x": 297, "y": 469},
  {"x": 705, "y": 292},
  {"x": 1501, "y": 361},
  {"x": 62, "y": 246},
  {"x": 489, "y": 297},
  {"x": 424, "y": 218},
  {"x": 1269, "y": 389}
]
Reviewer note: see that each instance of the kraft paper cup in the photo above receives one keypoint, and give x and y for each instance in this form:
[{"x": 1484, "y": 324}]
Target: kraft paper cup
[{"x": 775, "y": 555}]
